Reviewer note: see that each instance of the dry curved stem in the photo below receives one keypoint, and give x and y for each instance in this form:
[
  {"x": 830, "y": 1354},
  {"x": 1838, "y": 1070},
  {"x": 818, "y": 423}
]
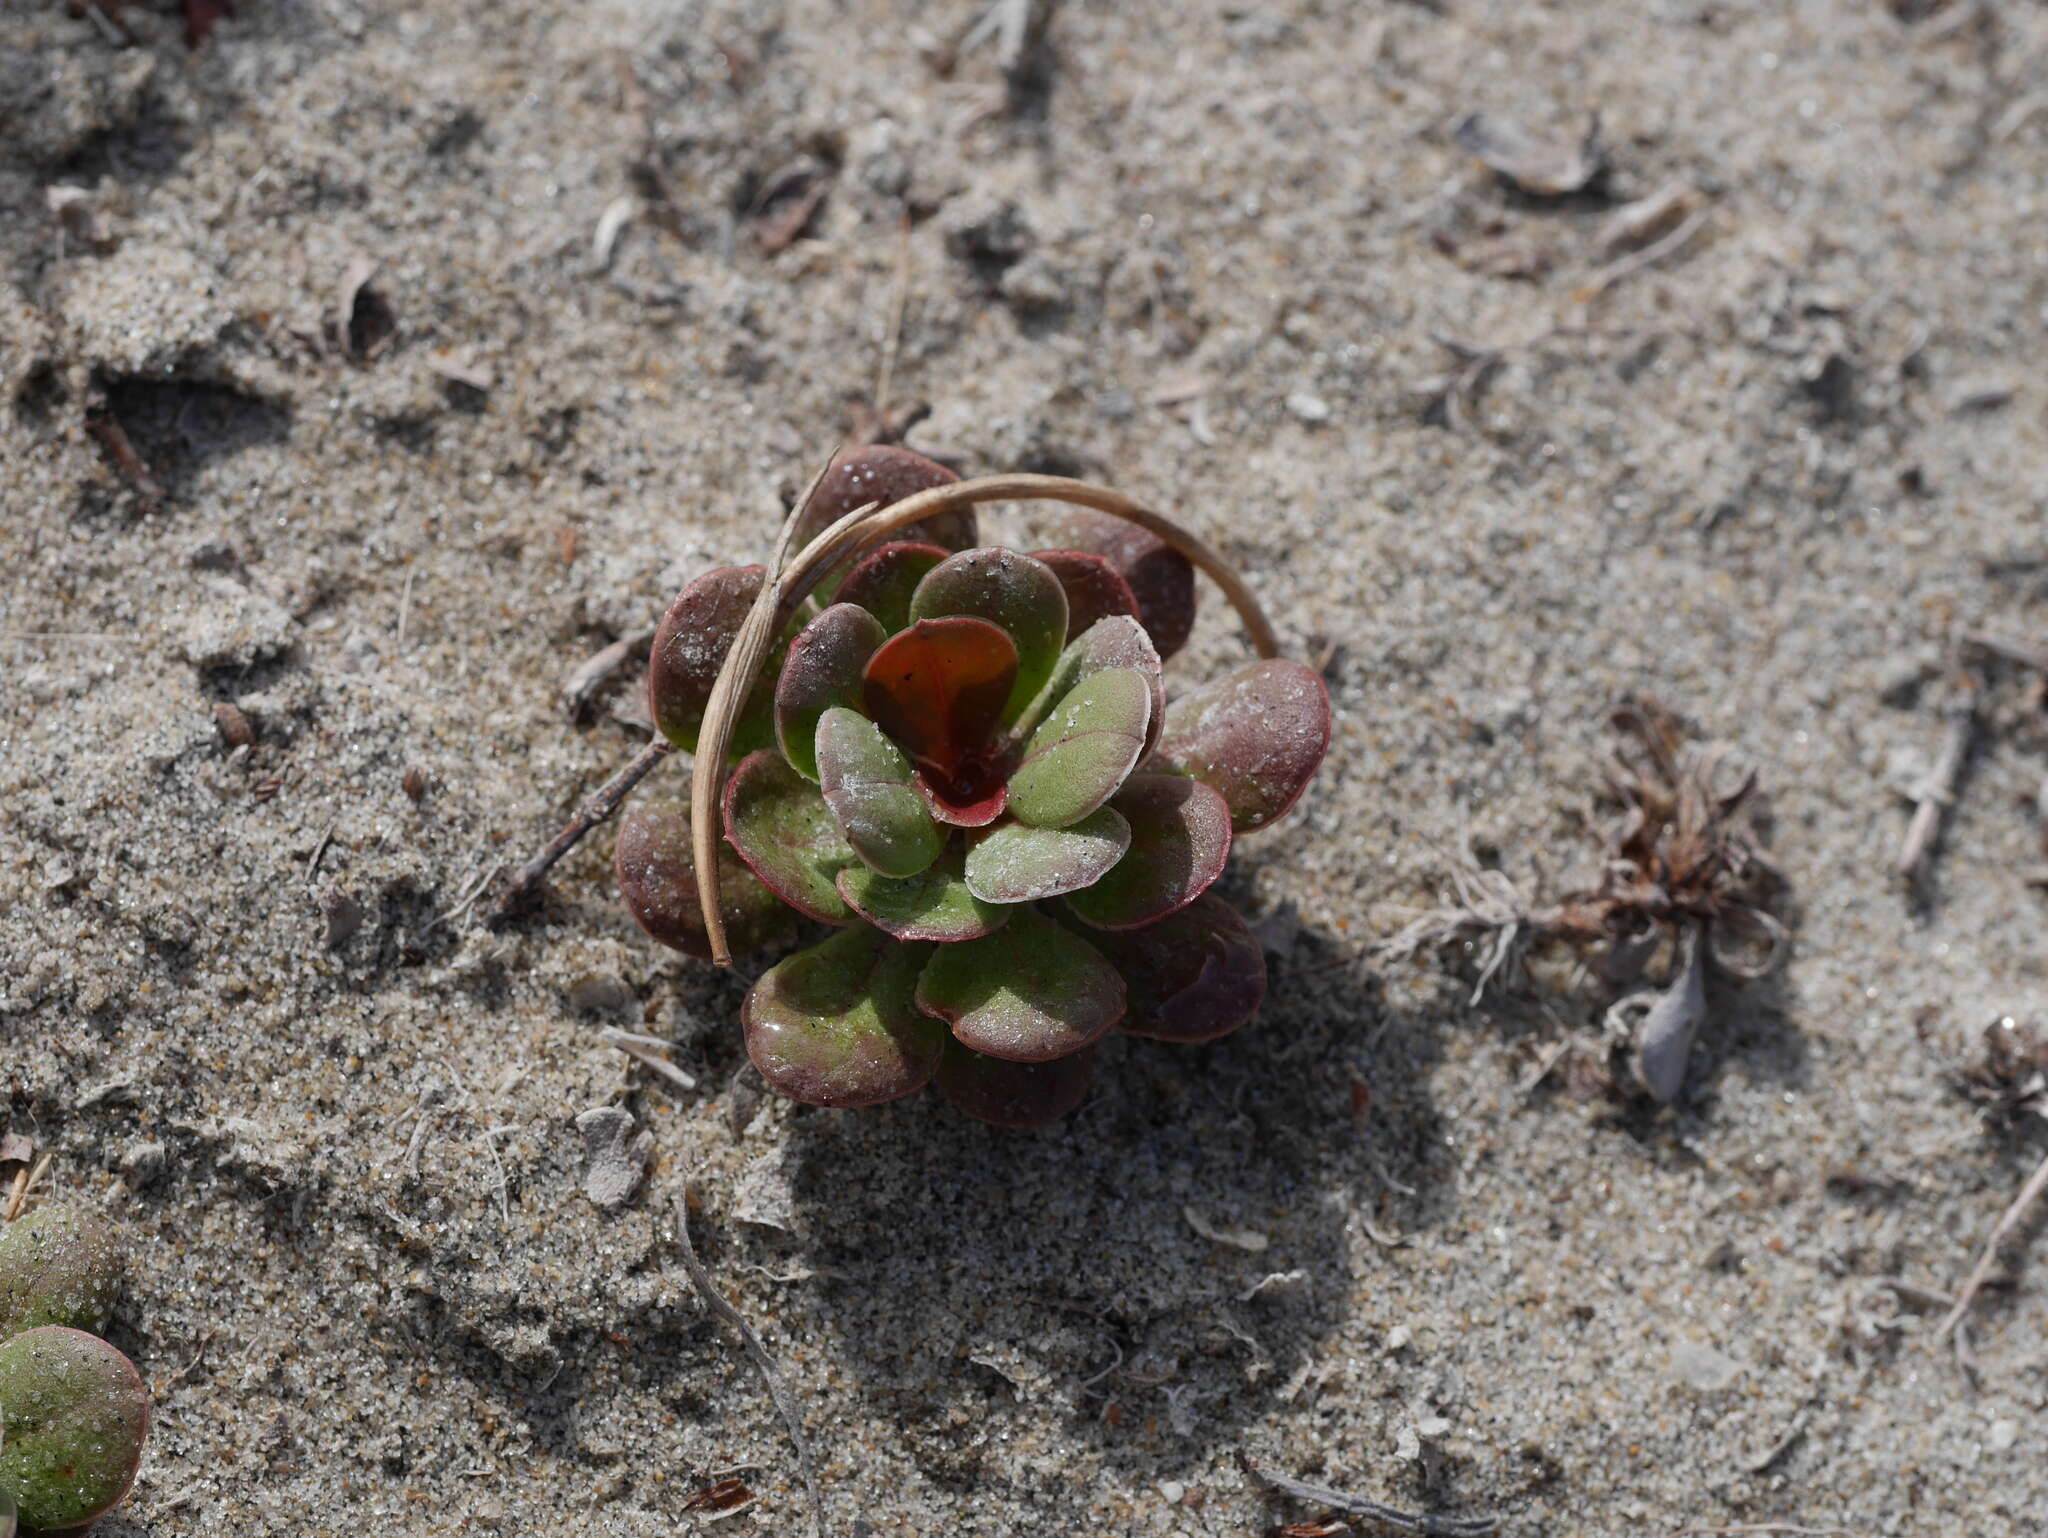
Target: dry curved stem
[
  {"x": 778, "y": 1391},
  {"x": 2003, "y": 1230},
  {"x": 861, "y": 530}
]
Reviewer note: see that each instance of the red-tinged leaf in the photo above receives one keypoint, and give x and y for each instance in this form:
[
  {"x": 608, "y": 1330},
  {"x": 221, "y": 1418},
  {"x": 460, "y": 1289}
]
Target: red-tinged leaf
[
  {"x": 1159, "y": 576},
  {"x": 883, "y": 580},
  {"x": 721, "y": 1496},
  {"x": 1083, "y": 750},
  {"x": 1193, "y": 976},
  {"x": 938, "y": 690},
  {"x": 1016, "y": 863},
  {"x": 823, "y": 668},
  {"x": 868, "y": 786},
  {"x": 689, "y": 648},
  {"x": 883, "y": 474},
  {"x": 1031, "y": 992},
  {"x": 1180, "y": 840},
  {"x": 780, "y": 825},
  {"x": 1257, "y": 736},
  {"x": 978, "y": 812},
  {"x": 1095, "y": 589},
  {"x": 934, "y": 904},
  {"x": 1013, "y": 591},
  {"x": 837, "y": 1025},
  {"x": 1013, "y": 1095},
  {"x": 658, "y": 879}
]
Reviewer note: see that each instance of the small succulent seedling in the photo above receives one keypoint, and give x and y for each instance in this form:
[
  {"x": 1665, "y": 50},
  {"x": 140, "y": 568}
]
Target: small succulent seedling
[
  {"x": 962, "y": 759},
  {"x": 75, "y": 1416},
  {"x": 58, "y": 1265}
]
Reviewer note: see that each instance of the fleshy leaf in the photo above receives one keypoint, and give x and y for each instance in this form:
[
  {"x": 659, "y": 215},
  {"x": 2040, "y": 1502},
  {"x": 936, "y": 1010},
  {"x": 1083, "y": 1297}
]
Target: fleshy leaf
[
  {"x": 58, "y": 1265},
  {"x": 1116, "y": 642},
  {"x": 77, "y": 1418},
  {"x": 1095, "y": 589},
  {"x": 934, "y": 904},
  {"x": 837, "y": 1025},
  {"x": 885, "y": 474},
  {"x": 779, "y": 824},
  {"x": 867, "y": 784},
  {"x": 1257, "y": 736},
  {"x": 1159, "y": 575},
  {"x": 822, "y": 669},
  {"x": 938, "y": 691},
  {"x": 1028, "y": 993},
  {"x": 882, "y": 581},
  {"x": 1083, "y": 750},
  {"x": 689, "y": 648},
  {"x": 658, "y": 879},
  {"x": 1017, "y": 863},
  {"x": 1013, "y": 1095},
  {"x": 1193, "y": 976},
  {"x": 1180, "y": 839},
  {"x": 1013, "y": 591}
]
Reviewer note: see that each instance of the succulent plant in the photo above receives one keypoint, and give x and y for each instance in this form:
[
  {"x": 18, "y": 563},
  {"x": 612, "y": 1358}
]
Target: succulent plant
[
  {"x": 963, "y": 759},
  {"x": 58, "y": 1265},
  {"x": 73, "y": 1417}
]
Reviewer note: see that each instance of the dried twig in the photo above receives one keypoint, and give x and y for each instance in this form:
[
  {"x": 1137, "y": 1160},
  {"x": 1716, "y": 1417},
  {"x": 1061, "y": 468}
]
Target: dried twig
[
  {"x": 589, "y": 815},
  {"x": 1938, "y": 790},
  {"x": 1981, "y": 1272},
  {"x": 885, "y": 376},
  {"x": 778, "y": 1391},
  {"x": 106, "y": 428},
  {"x": 646, "y": 1050},
  {"x": 590, "y": 676},
  {"x": 25, "y": 1181},
  {"x": 2006, "y": 649},
  {"x": 791, "y": 580},
  {"x": 1426, "y": 1526}
]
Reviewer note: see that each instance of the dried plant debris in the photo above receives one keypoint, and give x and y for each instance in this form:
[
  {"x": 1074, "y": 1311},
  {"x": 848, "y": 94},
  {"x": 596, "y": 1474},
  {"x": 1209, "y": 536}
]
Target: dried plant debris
[
  {"x": 1344, "y": 1504},
  {"x": 786, "y": 203},
  {"x": 615, "y": 1164},
  {"x": 2008, "y": 1078},
  {"x": 1544, "y": 168},
  {"x": 1682, "y": 879}
]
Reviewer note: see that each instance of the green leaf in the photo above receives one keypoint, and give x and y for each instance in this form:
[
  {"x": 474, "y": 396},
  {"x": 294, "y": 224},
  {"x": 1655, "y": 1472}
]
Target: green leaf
[
  {"x": 1116, "y": 642},
  {"x": 822, "y": 669},
  {"x": 1016, "y": 863},
  {"x": 867, "y": 784},
  {"x": 884, "y": 579},
  {"x": 58, "y": 1265},
  {"x": 77, "y": 1416},
  {"x": 1010, "y": 590},
  {"x": 780, "y": 825},
  {"x": 1013, "y": 1095},
  {"x": 1180, "y": 839},
  {"x": 658, "y": 879},
  {"x": 1083, "y": 750},
  {"x": 837, "y": 1025},
  {"x": 1031, "y": 992},
  {"x": 934, "y": 904},
  {"x": 690, "y": 645},
  {"x": 1257, "y": 736},
  {"x": 1193, "y": 976}
]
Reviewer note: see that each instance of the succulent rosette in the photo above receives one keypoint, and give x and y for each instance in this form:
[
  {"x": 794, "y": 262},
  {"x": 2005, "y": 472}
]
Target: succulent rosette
[{"x": 963, "y": 760}]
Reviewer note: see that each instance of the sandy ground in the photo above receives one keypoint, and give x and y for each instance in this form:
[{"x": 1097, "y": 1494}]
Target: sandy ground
[{"x": 1207, "y": 254}]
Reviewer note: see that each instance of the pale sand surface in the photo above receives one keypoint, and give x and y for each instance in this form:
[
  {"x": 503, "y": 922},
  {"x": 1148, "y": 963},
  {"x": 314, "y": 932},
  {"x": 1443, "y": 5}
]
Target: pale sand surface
[{"x": 1602, "y": 1320}]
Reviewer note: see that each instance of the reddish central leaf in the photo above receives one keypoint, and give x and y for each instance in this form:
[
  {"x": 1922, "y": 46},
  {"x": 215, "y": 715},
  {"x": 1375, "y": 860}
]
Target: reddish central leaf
[{"x": 938, "y": 691}]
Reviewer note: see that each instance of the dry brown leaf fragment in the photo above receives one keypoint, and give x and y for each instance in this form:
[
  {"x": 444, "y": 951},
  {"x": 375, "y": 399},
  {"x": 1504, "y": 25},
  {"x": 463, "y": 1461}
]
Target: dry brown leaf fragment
[
  {"x": 1549, "y": 168},
  {"x": 721, "y": 1496}
]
